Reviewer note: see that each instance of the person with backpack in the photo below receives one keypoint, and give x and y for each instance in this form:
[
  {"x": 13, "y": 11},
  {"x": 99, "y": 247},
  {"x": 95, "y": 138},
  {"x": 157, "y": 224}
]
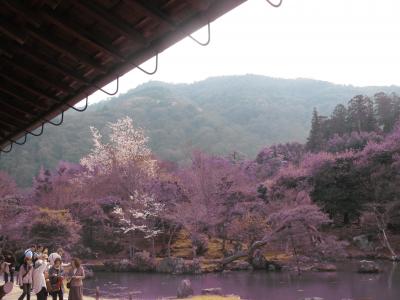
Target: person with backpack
[
  {"x": 25, "y": 277},
  {"x": 30, "y": 251},
  {"x": 56, "y": 276}
]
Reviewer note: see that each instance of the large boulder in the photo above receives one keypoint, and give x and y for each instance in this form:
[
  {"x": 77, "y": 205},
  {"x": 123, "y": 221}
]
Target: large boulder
[
  {"x": 368, "y": 266},
  {"x": 177, "y": 265},
  {"x": 143, "y": 262},
  {"x": 274, "y": 266},
  {"x": 185, "y": 289},
  {"x": 212, "y": 291},
  {"x": 258, "y": 261},
  {"x": 364, "y": 242},
  {"x": 123, "y": 265},
  {"x": 239, "y": 265},
  {"x": 200, "y": 243},
  {"x": 325, "y": 267}
]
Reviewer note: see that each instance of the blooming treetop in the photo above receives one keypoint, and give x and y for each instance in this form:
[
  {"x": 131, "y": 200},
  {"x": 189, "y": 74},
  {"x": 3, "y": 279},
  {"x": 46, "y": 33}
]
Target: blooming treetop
[{"x": 126, "y": 145}]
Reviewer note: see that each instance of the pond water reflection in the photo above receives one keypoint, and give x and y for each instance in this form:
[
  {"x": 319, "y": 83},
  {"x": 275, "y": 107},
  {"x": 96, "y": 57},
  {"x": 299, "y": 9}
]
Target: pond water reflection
[{"x": 258, "y": 285}]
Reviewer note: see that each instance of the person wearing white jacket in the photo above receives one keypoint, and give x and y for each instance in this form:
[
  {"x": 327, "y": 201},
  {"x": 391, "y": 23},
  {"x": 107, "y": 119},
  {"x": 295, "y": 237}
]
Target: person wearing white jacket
[{"x": 39, "y": 281}]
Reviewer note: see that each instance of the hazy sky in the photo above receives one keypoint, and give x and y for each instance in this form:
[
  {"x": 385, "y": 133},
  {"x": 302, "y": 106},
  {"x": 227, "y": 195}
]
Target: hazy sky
[{"x": 343, "y": 41}]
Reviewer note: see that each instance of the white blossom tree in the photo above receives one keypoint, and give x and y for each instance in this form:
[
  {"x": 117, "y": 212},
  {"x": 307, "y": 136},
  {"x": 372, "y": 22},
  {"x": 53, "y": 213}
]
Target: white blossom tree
[{"x": 124, "y": 167}]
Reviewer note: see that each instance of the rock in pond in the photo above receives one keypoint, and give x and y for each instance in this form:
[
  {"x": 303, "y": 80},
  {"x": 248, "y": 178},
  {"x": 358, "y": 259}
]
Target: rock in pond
[
  {"x": 324, "y": 267},
  {"x": 239, "y": 265},
  {"x": 185, "y": 289},
  {"x": 368, "y": 266},
  {"x": 212, "y": 291},
  {"x": 363, "y": 242},
  {"x": 177, "y": 265},
  {"x": 258, "y": 261}
]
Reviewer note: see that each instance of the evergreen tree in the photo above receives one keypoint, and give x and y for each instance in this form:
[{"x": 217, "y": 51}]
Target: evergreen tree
[
  {"x": 396, "y": 108},
  {"x": 315, "y": 139},
  {"x": 384, "y": 109},
  {"x": 361, "y": 114},
  {"x": 339, "y": 120}
]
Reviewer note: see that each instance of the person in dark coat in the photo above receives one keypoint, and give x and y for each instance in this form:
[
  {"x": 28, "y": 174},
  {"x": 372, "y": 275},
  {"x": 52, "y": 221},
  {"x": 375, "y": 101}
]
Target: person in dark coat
[{"x": 9, "y": 266}]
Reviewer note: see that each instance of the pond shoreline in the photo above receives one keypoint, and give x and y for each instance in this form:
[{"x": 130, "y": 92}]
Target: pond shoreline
[{"x": 178, "y": 266}]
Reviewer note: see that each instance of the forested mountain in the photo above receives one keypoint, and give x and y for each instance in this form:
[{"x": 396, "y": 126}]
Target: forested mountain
[{"x": 219, "y": 115}]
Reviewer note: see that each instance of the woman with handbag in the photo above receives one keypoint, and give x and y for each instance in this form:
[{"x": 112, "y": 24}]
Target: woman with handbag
[
  {"x": 56, "y": 274},
  {"x": 75, "y": 284}
]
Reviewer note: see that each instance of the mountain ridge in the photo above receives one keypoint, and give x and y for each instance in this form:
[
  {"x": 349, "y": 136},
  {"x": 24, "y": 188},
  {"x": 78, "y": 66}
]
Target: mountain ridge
[{"x": 219, "y": 115}]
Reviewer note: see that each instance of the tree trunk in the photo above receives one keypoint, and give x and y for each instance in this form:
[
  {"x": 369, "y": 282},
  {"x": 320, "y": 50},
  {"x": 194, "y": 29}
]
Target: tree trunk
[
  {"x": 153, "y": 248},
  {"x": 295, "y": 253},
  {"x": 250, "y": 252},
  {"x": 381, "y": 225},
  {"x": 385, "y": 238},
  {"x": 171, "y": 235},
  {"x": 132, "y": 247}
]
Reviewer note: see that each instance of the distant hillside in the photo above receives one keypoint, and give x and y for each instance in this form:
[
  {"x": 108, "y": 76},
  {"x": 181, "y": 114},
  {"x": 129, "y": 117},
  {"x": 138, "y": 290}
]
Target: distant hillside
[{"x": 219, "y": 115}]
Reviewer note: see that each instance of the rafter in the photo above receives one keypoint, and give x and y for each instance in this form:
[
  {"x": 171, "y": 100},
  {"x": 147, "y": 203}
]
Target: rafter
[
  {"x": 18, "y": 121},
  {"x": 105, "y": 16},
  {"x": 49, "y": 81},
  {"x": 67, "y": 50},
  {"x": 80, "y": 33},
  {"x": 55, "y": 44},
  {"x": 12, "y": 32},
  {"x": 10, "y": 105},
  {"x": 152, "y": 11},
  {"x": 8, "y": 125},
  {"x": 28, "y": 88},
  {"x": 43, "y": 60},
  {"x": 15, "y": 95}
]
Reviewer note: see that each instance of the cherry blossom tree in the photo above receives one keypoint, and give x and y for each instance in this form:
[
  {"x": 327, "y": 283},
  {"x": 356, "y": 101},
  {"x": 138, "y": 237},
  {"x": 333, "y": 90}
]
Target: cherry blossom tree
[{"x": 124, "y": 167}]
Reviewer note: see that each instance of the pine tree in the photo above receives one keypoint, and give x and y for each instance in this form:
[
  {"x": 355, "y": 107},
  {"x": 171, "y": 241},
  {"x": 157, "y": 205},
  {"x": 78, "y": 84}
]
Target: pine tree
[
  {"x": 339, "y": 120},
  {"x": 384, "y": 110},
  {"x": 396, "y": 109},
  {"x": 361, "y": 114},
  {"x": 315, "y": 139}
]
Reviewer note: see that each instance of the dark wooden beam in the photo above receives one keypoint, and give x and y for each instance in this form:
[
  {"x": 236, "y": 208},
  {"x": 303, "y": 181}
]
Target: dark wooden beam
[
  {"x": 80, "y": 33},
  {"x": 38, "y": 76},
  {"x": 11, "y": 106},
  {"x": 44, "y": 60},
  {"x": 151, "y": 11},
  {"x": 12, "y": 32},
  {"x": 66, "y": 49},
  {"x": 15, "y": 120},
  {"x": 8, "y": 125},
  {"x": 199, "y": 5},
  {"x": 24, "y": 86},
  {"x": 112, "y": 21},
  {"x": 15, "y": 95},
  {"x": 50, "y": 41}
]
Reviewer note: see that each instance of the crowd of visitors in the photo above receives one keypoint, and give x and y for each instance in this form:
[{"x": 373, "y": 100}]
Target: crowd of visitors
[{"x": 37, "y": 272}]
